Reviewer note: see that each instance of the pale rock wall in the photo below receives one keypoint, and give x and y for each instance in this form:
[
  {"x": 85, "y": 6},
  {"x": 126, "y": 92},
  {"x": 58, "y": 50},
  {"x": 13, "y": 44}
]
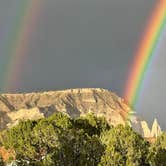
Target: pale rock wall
[
  {"x": 141, "y": 126},
  {"x": 156, "y": 130},
  {"x": 74, "y": 102}
]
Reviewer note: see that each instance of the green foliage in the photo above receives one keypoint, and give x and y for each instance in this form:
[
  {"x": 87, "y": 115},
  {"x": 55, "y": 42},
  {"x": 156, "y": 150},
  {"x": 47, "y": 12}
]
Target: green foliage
[
  {"x": 55, "y": 141},
  {"x": 91, "y": 124},
  {"x": 60, "y": 120},
  {"x": 161, "y": 141},
  {"x": 157, "y": 152},
  {"x": 18, "y": 135},
  {"x": 1, "y": 161},
  {"x": 124, "y": 147},
  {"x": 78, "y": 148},
  {"x": 86, "y": 141}
]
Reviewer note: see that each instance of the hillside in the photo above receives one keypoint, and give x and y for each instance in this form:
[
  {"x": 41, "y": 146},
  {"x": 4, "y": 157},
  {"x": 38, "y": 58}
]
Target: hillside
[{"x": 74, "y": 102}]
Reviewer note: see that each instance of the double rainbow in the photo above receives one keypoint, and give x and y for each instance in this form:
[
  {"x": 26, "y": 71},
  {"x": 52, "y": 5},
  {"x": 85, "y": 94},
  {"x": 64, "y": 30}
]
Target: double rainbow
[
  {"x": 20, "y": 37},
  {"x": 145, "y": 53}
]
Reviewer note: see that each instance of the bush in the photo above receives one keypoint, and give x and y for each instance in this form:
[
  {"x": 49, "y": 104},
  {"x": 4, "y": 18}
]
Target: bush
[
  {"x": 91, "y": 124},
  {"x": 89, "y": 140},
  {"x": 124, "y": 147},
  {"x": 157, "y": 153}
]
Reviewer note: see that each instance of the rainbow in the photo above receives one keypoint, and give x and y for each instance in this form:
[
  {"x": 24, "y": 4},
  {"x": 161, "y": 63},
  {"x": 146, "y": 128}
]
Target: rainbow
[
  {"x": 19, "y": 39},
  {"x": 146, "y": 50}
]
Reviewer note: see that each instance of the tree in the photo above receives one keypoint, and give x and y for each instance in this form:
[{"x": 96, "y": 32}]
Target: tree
[
  {"x": 60, "y": 120},
  {"x": 124, "y": 147},
  {"x": 20, "y": 139},
  {"x": 91, "y": 124},
  {"x": 89, "y": 140},
  {"x": 158, "y": 151},
  {"x": 56, "y": 141},
  {"x": 78, "y": 148},
  {"x": 31, "y": 140},
  {"x": 161, "y": 141}
]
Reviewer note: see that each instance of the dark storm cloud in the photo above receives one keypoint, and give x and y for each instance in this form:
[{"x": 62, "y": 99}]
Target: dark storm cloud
[{"x": 85, "y": 43}]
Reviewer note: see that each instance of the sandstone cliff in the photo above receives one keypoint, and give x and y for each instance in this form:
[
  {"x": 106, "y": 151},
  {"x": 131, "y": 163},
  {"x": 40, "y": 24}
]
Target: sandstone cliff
[{"x": 74, "y": 102}]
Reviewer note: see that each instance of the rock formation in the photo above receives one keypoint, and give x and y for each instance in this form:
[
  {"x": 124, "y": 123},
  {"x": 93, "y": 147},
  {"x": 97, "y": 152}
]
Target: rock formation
[
  {"x": 156, "y": 130},
  {"x": 24, "y": 114},
  {"x": 135, "y": 124},
  {"x": 74, "y": 102},
  {"x": 142, "y": 127},
  {"x": 145, "y": 129}
]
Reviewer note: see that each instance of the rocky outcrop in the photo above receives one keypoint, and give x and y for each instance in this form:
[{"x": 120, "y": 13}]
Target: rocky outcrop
[
  {"x": 74, "y": 102},
  {"x": 135, "y": 124},
  {"x": 145, "y": 129},
  {"x": 24, "y": 114},
  {"x": 156, "y": 130},
  {"x": 141, "y": 126}
]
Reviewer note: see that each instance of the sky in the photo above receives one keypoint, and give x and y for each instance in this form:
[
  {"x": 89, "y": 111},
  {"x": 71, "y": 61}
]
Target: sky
[{"x": 85, "y": 43}]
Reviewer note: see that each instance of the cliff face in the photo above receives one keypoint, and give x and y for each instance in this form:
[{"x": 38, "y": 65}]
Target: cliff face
[{"x": 74, "y": 102}]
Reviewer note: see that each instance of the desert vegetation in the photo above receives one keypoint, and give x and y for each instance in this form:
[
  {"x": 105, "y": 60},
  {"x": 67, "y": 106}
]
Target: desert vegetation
[{"x": 85, "y": 141}]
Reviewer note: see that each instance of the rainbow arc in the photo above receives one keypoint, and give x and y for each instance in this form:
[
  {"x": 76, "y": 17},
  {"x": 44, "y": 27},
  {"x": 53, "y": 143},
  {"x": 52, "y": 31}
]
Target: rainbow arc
[
  {"x": 146, "y": 51},
  {"x": 28, "y": 13}
]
